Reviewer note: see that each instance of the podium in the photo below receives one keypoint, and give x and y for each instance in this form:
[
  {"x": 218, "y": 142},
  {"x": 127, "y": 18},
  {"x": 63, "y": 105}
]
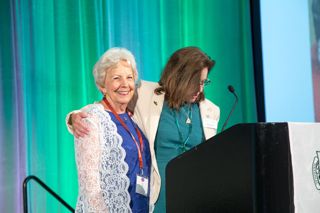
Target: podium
[{"x": 258, "y": 168}]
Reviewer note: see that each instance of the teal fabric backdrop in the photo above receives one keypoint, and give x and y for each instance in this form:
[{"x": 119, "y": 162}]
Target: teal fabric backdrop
[{"x": 48, "y": 49}]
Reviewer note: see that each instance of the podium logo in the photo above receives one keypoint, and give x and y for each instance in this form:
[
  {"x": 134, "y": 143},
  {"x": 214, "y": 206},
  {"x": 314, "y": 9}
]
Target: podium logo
[{"x": 316, "y": 170}]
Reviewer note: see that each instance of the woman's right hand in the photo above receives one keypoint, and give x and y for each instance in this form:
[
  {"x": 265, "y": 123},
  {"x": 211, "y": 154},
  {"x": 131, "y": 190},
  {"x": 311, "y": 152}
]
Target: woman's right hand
[{"x": 78, "y": 126}]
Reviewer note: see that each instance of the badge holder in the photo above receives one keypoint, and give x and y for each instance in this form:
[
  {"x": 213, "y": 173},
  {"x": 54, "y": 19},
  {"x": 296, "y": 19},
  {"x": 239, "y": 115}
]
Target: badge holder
[{"x": 142, "y": 184}]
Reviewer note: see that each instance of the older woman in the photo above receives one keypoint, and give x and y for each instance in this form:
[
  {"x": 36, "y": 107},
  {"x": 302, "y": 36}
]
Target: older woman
[
  {"x": 173, "y": 113},
  {"x": 113, "y": 159}
]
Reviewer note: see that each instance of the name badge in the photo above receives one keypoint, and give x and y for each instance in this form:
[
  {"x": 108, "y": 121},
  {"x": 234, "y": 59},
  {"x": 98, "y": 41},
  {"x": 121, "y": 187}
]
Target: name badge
[
  {"x": 210, "y": 123},
  {"x": 142, "y": 185}
]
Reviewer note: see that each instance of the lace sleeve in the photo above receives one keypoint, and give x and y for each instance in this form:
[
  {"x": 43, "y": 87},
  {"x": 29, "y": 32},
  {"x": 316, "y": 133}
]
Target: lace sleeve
[{"x": 88, "y": 156}]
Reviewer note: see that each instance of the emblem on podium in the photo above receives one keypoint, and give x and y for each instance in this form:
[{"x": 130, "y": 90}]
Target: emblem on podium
[{"x": 316, "y": 170}]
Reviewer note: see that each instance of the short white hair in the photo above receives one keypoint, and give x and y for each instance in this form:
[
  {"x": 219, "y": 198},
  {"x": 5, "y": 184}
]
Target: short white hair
[{"x": 110, "y": 59}]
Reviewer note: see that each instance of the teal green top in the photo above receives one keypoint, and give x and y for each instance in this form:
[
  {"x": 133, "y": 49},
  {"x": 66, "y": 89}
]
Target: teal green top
[{"x": 174, "y": 136}]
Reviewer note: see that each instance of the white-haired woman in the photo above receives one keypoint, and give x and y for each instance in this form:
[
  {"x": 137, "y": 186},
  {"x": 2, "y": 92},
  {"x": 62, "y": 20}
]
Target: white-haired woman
[{"x": 113, "y": 160}]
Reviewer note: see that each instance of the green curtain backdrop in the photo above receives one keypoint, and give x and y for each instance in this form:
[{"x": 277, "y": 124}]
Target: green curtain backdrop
[{"x": 48, "y": 49}]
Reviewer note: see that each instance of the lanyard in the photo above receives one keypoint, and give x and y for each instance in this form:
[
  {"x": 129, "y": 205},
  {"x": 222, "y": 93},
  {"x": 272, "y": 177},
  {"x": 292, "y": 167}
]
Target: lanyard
[
  {"x": 140, "y": 148},
  {"x": 185, "y": 141}
]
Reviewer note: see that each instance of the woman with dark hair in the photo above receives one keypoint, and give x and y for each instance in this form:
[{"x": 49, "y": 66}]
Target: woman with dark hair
[{"x": 173, "y": 114}]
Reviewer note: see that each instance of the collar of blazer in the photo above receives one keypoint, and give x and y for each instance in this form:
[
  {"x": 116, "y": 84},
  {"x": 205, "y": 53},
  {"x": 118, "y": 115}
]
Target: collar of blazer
[
  {"x": 209, "y": 118},
  {"x": 155, "y": 108}
]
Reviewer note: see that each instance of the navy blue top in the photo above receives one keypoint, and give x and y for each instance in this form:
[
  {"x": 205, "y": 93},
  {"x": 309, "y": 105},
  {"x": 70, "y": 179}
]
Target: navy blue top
[{"x": 139, "y": 203}]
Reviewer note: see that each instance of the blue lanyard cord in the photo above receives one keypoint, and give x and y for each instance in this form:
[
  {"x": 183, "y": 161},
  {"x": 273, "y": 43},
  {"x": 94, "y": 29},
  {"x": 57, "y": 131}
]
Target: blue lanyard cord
[{"x": 185, "y": 141}]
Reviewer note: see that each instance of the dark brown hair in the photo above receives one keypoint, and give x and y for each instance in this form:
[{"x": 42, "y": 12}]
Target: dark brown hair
[{"x": 180, "y": 78}]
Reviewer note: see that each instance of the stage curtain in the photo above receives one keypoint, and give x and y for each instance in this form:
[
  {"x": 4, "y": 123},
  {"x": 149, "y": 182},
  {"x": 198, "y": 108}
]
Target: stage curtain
[{"x": 48, "y": 49}]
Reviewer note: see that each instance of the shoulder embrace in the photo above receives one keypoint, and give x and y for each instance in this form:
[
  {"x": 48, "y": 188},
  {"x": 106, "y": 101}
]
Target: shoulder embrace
[{"x": 142, "y": 84}]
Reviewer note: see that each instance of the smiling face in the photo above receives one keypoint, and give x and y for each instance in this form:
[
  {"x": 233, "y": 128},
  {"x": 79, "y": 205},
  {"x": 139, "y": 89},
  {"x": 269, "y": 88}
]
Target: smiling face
[
  {"x": 119, "y": 86},
  {"x": 203, "y": 77}
]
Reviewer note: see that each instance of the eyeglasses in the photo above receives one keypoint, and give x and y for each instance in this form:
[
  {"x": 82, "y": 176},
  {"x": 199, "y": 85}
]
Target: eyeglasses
[{"x": 205, "y": 82}]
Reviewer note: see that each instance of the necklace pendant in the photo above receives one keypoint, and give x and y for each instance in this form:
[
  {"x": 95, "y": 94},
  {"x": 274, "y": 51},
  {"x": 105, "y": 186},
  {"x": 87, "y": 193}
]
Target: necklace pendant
[{"x": 188, "y": 121}]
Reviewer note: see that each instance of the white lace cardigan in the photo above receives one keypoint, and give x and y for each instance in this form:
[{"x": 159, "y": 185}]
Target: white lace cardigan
[{"x": 103, "y": 183}]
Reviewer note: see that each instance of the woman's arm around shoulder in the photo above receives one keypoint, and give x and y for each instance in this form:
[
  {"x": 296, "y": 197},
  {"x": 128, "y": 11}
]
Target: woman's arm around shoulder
[{"x": 88, "y": 150}]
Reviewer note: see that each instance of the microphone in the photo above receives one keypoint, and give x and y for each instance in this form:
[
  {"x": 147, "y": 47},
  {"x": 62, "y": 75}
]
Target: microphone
[{"x": 231, "y": 89}]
